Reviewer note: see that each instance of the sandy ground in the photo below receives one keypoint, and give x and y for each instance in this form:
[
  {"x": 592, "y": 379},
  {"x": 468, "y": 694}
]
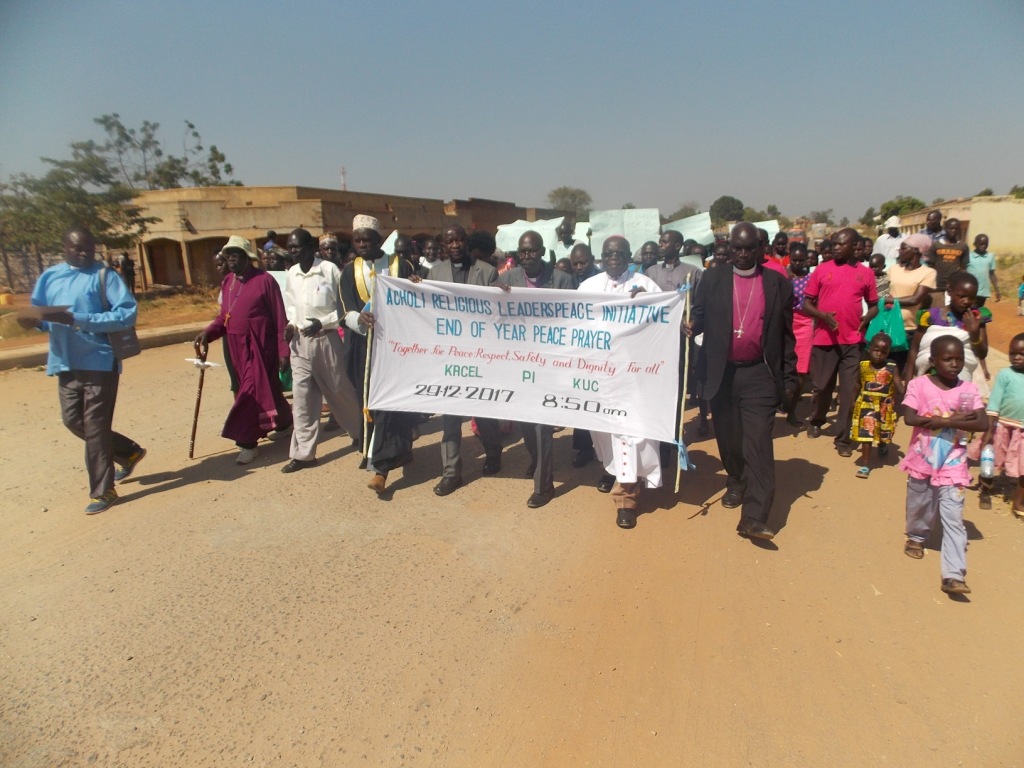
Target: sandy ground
[{"x": 224, "y": 615}]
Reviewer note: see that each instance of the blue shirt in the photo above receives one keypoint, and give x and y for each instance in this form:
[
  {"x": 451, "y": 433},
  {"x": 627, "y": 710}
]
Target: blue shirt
[
  {"x": 981, "y": 265},
  {"x": 83, "y": 346}
]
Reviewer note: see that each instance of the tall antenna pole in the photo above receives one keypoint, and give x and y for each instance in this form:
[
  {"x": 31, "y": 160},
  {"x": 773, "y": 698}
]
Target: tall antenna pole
[{"x": 344, "y": 183}]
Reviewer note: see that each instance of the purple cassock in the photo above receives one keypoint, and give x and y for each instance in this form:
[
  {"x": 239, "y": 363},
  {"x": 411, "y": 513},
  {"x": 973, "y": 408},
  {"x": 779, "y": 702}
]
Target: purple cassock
[{"x": 253, "y": 319}]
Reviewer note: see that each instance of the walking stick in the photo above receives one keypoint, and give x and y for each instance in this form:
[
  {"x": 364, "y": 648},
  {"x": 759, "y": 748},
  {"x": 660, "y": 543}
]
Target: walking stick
[
  {"x": 683, "y": 457},
  {"x": 201, "y": 355},
  {"x": 366, "y": 393}
]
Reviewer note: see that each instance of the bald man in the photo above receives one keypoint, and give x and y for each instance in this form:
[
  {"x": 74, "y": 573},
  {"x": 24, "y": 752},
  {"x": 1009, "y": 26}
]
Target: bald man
[
  {"x": 459, "y": 267},
  {"x": 534, "y": 272},
  {"x": 746, "y": 367}
]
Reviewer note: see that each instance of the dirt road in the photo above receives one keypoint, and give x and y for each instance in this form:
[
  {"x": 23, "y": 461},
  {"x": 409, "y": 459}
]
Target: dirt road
[{"x": 224, "y": 615}]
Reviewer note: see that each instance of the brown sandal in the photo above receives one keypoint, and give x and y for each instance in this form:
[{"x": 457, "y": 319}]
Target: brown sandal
[{"x": 914, "y": 549}]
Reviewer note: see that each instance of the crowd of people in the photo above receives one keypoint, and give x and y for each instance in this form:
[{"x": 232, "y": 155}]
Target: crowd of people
[{"x": 893, "y": 327}]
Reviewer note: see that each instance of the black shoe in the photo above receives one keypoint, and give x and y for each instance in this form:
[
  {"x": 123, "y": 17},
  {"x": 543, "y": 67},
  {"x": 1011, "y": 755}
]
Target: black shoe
[
  {"x": 702, "y": 428},
  {"x": 626, "y": 518},
  {"x": 363, "y": 463},
  {"x": 582, "y": 458},
  {"x": 447, "y": 485},
  {"x": 606, "y": 483},
  {"x": 814, "y": 430},
  {"x": 530, "y": 470},
  {"x": 750, "y": 529},
  {"x": 540, "y": 499},
  {"x": 296, "y": 464},
  {"x": 331, "y": 424},
  {"x": 491, "y": 467},
  {"x": 732, "y": 499}
]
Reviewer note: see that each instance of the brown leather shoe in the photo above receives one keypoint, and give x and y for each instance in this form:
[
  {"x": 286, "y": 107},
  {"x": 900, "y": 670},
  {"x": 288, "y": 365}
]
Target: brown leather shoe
[
  {"x": 377, "y": 484},
  {"x": 955, "y": 587}
]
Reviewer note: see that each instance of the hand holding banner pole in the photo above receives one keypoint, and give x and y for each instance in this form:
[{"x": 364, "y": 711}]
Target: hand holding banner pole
[{"x": 684, "y": 458}]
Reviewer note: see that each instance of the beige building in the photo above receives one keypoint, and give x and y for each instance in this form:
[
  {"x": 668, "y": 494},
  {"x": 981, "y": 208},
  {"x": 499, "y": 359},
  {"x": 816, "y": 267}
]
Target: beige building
[
  {"x": 1000, "y": 217},
  {"x": 195, "y": 222}
]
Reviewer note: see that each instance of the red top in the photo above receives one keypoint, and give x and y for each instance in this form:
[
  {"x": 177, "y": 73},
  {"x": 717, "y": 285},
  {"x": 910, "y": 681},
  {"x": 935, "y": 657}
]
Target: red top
[
  {"x": 840, "y": 288},
  {"x": 747, "y": 318}
]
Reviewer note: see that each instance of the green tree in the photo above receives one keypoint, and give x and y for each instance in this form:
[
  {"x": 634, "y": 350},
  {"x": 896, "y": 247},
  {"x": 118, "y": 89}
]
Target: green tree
[
  {"x": 773, "y": 211},
  {"x": 844, "y": 222},
  {"x": 726, "y": 208},
  {"x": 571, "y": 199},
  {"x": 898, "y": 206},
  {"x": 821, "y": 217},
  {"x": 628, "y": 207},
  {"x": 687, "y": 209},
  {"x": 1017, "y": 190},
  {"x": 986, "y": 192},
  {"x": 96, "y": 185},
  {"x": 869, "y": 217},
  {"x": 752, "y": 214},
  {"x": 138, "y": 156}
]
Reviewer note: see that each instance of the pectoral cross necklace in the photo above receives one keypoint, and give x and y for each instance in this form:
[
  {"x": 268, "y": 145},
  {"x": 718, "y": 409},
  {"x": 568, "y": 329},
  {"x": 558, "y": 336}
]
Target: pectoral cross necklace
[
  {"x": 743, "y": 318},
  {"x": 233, "y": 298}
]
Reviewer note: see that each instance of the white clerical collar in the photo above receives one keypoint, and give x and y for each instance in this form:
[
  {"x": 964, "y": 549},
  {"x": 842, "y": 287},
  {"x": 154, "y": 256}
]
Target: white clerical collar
[{"x": 744, "y": 272}]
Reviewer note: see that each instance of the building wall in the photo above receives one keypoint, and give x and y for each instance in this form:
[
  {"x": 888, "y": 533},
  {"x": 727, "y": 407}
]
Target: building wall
[
  {"x": 958, "y": 209},
  {"x": 1002, "y": 219},
  {"x": 195, "y": 221}
]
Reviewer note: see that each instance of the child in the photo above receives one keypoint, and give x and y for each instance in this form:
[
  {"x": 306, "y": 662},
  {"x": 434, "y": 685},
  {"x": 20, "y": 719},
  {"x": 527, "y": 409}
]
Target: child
[
  {"x": 874, "y": 413},
  {"x": 936, "y": 462},
  {"x": 1006, "y": 426},
  {"x": 877, "y": 264}
]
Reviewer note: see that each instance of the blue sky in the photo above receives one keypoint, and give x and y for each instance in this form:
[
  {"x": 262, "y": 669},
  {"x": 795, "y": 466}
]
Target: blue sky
[{"x": 808, "y": 105}]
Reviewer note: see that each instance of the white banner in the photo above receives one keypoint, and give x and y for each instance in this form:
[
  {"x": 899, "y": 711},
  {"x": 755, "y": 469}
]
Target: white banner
[{"x": 598, "y": 361}]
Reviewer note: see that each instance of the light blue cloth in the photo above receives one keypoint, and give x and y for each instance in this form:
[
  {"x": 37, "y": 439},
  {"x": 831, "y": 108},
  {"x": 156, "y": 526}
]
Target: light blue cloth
[
  {"x": 981, "y": 265},
  {"x": 83, "y": 346}
]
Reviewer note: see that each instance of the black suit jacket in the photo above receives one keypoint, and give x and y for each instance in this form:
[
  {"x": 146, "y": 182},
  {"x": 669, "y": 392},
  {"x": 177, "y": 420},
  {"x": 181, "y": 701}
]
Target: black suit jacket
[{"x": 712, "y": 316}]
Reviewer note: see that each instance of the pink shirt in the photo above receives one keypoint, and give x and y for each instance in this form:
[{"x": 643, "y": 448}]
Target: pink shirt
[
  {"x": 747, "y": 318},
  {"x": 774, "y": 264},
  {"x": 839, "y": 288},
  {"x": 936, "y": 454}
]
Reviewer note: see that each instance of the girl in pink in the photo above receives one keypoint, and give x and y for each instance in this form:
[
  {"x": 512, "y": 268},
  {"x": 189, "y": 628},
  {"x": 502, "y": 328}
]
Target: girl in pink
[{"x": 938, "y": 406}]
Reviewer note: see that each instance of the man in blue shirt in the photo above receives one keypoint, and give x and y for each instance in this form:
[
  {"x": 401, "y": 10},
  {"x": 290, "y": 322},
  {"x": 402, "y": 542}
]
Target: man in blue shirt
[{"x": 83, "y": 361}]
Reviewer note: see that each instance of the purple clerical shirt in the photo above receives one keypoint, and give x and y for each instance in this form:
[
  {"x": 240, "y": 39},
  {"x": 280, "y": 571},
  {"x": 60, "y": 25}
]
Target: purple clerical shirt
[{"x": 747, "y": 318}]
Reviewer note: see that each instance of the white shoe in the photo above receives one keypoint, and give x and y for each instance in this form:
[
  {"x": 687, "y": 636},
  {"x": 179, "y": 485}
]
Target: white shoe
[
  {"x": 279, "y": 434},
  {"x": 246, "y": 455}
]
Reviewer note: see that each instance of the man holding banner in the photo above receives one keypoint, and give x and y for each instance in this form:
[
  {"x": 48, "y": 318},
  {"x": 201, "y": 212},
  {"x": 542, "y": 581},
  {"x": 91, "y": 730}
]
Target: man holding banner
[
  {"x": 534, "y": 272},
  {"x": 389, "y": 443},
  {"x": 460, "y": 268},
  {"x": 626, "y": 459}
]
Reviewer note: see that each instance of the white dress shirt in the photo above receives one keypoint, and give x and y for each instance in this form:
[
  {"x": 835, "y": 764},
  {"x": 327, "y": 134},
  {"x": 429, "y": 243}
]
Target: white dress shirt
[{"x": 313, "y": 295}]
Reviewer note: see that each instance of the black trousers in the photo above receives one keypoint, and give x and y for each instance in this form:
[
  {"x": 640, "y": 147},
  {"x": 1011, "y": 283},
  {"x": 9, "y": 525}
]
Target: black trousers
[
  {"x": 539, "y": 442},
  {"x": 842, "y": 360},
  {"x": 87, "y": 400},
  {"x": 744, "y": 413}
]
